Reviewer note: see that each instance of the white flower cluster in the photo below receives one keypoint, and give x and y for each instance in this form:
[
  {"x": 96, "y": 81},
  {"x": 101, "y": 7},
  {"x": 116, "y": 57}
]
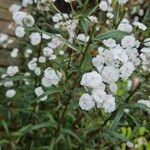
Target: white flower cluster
[
  {"x": 64, "y": 23},
  {"x": 50, "y": 78},
  {"x": 127, "y": 27},
  {"x": 116, "y": 62}
]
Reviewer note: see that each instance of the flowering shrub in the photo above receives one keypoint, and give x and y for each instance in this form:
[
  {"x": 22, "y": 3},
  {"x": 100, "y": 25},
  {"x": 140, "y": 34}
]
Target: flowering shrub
[{"x": 82, "y": 78}]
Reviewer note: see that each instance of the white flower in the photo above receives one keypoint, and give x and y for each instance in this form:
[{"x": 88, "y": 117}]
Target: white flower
[
  {"x": 110, "y": 15},
  {"x": 113, "y": 88},
  {"x": 14, "y": 8},
  {"x": 32, "y": 64},
  {"x": 42, "y": 59},
  {"x": 3, "y": 37},
  {"x": 147, "y": 42},
  {"x": 61, "y": 52},
  {"x": 18, "y": 17},
  {"x": 110, "y": 104},
  {"x": 119, "y": 54},
  {"x": 98, "y": 62},
  {"x": 12, "y": 70},
  {"x": 29, "y": 21},
  {"x": 57, "y": 17},
  {"x": 86, "y": 102},
  {"x": 103, "y": 6},
  {"x": 82, "y": 37},
  {"x": 10, "y": 93},
  {"x": 55, "y": 42},
  {"x": 125, "y": 26},
  {"x": 20, "y": 31},
  {"x": 37, "y": 71},
  {"x": 14, "y": 53},
  {"x": 140, "y": 25},
  {"x": 111, "y": 43},
  {"x": 8, "y": 84},
  {"x": 50, "y": 78},
  {"x": 91, "y": 79},
  {"x": 35, "y": 38},
  {"x": 47, "y": 51},
  {"x": 126, "y": 70},
  {"x": 93, "y": 19},
  {"x": 39, "y": 91},
  {"x": 25, "y": 3},
  {"x": 110, "y": 74},
  {"x": 99, "y": 96},
  {"x": 128, "y": 42}
]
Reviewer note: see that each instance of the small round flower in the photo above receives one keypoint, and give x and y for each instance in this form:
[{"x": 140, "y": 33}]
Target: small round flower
[
  {"x": 37, "y": 71},
  {"x": 8, "y": 84},
  {"x": 18, "y": 17},
  {"x": 14, "y": 8},
  {"x": 29, "y": 21},
  {"x": 61, "y": 52},
  {"x": 39, "y": 91},
  {"x": 47, "y": 51},
  {"x": 111, "y": 43},
  {"x": 103, "y": 6},
  {"x": 82, "y": 37},
  {"x": 86, "y": 102},
  {"x": 35, "y": 38},
  {"x": 32, "y": 64},
  {"x": 147, "y": 42},
  {"x": 110, "y": 104},
  {"x": 113, "y": 88},
  {"x": 12, "y": 70},
  {"x": 110, "y": 15},
  {"x": 128, "y": 42},
  {"x": 25, "y": 3},
  {"x": 14, "y": 53},
  {"x": 42, "y": 59},
  {"x": 20, "y": 31},
  {"x": 99, "y": 96},
  {"x": 126, "y": 70},
  {"x": 10, "y": 93},
  {"x": 91, "y": 79},
  {"x": 110, "y": 74},
  {"x": 57, "y": 17},
  {"x": 125, "y": 26},
  {"x": 50, "y": 78}
]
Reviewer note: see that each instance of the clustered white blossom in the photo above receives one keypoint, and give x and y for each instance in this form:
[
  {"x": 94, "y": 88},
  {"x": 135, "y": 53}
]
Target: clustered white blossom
[{"x": 113, "y": 63}]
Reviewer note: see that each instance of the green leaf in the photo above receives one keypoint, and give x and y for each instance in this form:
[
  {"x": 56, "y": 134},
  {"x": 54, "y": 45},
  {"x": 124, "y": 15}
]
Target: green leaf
[
  {"x": 115, "y": 34},
  {"x": 138, "y": 106},
  {"x": 116, "y": 135},
  {"x": 118, "y": 116},
  {"x": 70, "y": 132},
  {"x": 16, "y": 78},
  {"x": 4, "y": 141}
]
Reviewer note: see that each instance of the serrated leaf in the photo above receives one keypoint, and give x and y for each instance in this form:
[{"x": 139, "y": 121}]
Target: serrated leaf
[{"x": 115, "y": 34}]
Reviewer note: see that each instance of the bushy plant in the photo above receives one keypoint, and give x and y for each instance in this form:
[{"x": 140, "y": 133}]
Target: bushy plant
[{"x": 82, "y": 76}]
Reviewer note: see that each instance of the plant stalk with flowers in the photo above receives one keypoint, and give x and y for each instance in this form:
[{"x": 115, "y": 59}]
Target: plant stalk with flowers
[{"x": 82, "y": 78}]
